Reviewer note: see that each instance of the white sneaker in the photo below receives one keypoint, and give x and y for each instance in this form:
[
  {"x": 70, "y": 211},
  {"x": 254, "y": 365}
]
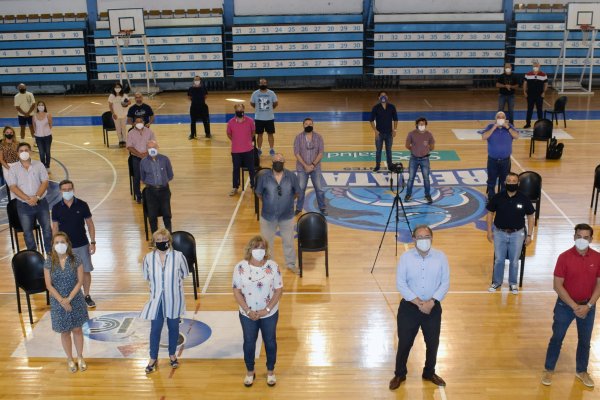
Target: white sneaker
[
  {"x": 514, "y": 289},
  {"x": 493, "y": 287},
  {"x": 271, "y": 380},
  {"x": 585, "y": 378},
  {"x": 547, "y": 378},
  {"x": 249, "y": 380}
]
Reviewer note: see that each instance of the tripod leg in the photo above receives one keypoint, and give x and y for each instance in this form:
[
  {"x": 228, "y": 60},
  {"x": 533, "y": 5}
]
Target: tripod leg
[{"x": 383, "y": 236}]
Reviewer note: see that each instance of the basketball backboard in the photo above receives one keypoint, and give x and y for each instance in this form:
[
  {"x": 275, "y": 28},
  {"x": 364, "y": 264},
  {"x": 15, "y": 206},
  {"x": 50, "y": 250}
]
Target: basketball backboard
[
  {"x": 583, "y": 14},
  {"x": 130, "y": 19}
]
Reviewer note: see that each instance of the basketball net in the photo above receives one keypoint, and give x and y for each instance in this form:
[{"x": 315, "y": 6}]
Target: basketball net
[
  {"x": 585, "y": 33},
  {"x": 125, "y": 36}
]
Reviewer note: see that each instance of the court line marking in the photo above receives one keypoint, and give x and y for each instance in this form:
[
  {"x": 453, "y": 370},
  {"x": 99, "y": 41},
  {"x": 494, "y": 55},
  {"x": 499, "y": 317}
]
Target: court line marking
[
  {"x": 225, "y": 236},
  {"x": 64, "y": 109},
  {"x": 546, "y": 195},
  {"x": 161, "y": 106},
  {"x": 428, "y": 103},
  {"x": 114, "y": 171}
]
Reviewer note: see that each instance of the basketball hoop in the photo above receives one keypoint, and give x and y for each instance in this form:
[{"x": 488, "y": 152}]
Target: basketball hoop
[
  {"x": 125, "y": 36},
  {"x": 585, "y": 33}
]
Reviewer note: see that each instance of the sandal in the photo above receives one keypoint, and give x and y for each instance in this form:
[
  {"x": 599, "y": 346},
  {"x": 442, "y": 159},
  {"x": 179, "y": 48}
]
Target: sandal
[
  {"x": 249, "y": 380},
  {"x": 174, "y": 363},
  {"x": 150, "y": 368}
]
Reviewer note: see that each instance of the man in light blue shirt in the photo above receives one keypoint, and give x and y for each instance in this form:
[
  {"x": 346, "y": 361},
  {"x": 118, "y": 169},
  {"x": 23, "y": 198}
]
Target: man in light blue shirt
[
  {"x": 264, "y": 102},
  {"x": 423, "y": 279}
]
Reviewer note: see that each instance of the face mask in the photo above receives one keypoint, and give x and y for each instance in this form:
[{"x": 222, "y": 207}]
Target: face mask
[
  {"x": 68, "y": 195},
  {"x": 162, "y": 246},
  {"x": 536, "y": 69},
  {"x": 41, "y": 108},
  {"x": 9, "y": 136},
  {"x": 421, "y": 128},
  {"x": 581, "y": 244},
  {"x": 500, "y": 122},
  {"x": 239, "y": 114},
  {"x": 308, "y": 129},
  {"x": 383, "y": 99},
  {"x": 277, "y": 166},
  {"x": 512, "y": 187},
  {"x": 117, "y": 90},
  {"x": 153, "y": 152},
  {"x": 22, "y": 90},
  {"x": 507, "y": 70},
  {"x": 424, "y": 244},
  {"x": 60, "y": 248},
  {"x": 139, "y": 126},
  {"x": 258, "y": 254},
  {"x": 24, "y": 156},
  {"x": 263, "y": 87},
  {"x": 196, "y": 83}
]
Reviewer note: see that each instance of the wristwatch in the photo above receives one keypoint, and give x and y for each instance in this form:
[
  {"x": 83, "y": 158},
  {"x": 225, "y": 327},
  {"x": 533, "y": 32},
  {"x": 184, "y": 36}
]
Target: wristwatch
[
  {"x": 590, "y": 305},
  {"x": 269, "y": 310}
]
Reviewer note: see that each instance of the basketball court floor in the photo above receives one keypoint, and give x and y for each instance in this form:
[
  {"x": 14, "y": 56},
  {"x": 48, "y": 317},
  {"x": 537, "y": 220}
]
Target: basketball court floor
[{"x": 336, "y": 335}]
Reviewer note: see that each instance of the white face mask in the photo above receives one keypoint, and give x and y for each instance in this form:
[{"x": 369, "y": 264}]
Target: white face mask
[
  {"x": 507, "y": 70},
  {"x": 421, "y": 128},
  {"x": 258, "y": 254},
  {"x": 424, "y": 244},
  {"x": 117, "y": 90},
  {"x": 536, "y": 69},
  {"x": 581, "y": 244},
  {"x": 139, "y": 126},
  {"x": 153, "y": 152},
  {"x": 196, "y": 83},
  {"x": 24, "y": 155},
  {"x": 500, "y": 122},
  {"x": 41, "y": 108},
  {"x": 61, "y": 248}
]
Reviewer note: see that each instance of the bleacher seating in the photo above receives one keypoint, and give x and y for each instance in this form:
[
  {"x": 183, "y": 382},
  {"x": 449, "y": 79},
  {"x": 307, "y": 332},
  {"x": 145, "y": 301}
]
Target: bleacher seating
[{"x": 307, "y": 45}]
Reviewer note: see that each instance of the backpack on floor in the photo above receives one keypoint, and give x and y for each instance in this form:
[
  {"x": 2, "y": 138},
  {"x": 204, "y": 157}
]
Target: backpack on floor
[{"x": 555, "y": 150}]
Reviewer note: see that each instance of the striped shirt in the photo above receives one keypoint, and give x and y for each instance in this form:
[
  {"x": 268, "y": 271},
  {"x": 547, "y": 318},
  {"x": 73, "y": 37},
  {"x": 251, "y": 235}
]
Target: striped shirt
[
  {"x": 308, "y": 149},
  {"x": 166, "y": 284},
  {"x": 28, "y": 180}
]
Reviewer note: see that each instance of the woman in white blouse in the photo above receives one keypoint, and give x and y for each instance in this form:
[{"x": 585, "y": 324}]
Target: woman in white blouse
[
  {"x": 164, "y": 269},
  {"x": 257, "y": 288},
  {"x": 118, "y": 102}
]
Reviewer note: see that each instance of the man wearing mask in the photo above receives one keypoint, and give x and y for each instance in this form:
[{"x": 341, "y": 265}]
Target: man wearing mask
[
  {"x": 384, "y": 121},
  {"x": 423, "y": 279},
  {"x": 277, "y": 189},
  {"x": 240, "y": 130},
  {"x": 137, "y": 144},
  {"x": 420, "y": 142},
  {"x": 535, "y": 85},
  {"x": 507, "y": 83},
  {"x": 577, "y": 283},
  {"x": 28, "y": 180},
  {"x": 71, "y": 215},
  {"x": 25, "y": 104},
  {"x": 308, "y": 149},
  {"x": 156, "y": 172},
  {"x": 506, "y": 230},
  {"x": 499, "y": 135},
  {"x": 198, "y": 107},
  {"x": 140, "y": 109},
  {"x": 264, "y": 101}
]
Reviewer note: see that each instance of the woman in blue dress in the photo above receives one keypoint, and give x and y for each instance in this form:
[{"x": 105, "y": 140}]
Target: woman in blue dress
[{"x": 63, "y": 273}]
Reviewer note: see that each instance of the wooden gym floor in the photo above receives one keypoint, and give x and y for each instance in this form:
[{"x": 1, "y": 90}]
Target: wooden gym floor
[{"x": 336, "y": 336}]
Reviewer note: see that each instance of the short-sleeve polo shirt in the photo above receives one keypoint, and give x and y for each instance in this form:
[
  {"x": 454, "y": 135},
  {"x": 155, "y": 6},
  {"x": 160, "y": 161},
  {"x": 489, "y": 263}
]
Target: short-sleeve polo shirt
[{"x": 71, "y": 220}]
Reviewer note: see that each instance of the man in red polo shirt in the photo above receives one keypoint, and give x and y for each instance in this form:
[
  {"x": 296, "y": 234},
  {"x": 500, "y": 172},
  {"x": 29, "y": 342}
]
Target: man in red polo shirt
[
  {"x": 240, "y": 130},
  {"x": 577, "y": 283}
]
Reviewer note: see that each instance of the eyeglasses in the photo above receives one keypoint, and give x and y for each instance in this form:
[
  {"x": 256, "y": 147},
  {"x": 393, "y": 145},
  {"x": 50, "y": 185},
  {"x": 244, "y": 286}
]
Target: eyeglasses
[{"x": 279, "y": 190}]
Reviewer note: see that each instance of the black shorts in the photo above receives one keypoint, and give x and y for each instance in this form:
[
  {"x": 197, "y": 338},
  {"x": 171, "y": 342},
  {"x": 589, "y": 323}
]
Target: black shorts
[
  {"x": 25, "y": 120},
  {"x": 262, "y": 126}
]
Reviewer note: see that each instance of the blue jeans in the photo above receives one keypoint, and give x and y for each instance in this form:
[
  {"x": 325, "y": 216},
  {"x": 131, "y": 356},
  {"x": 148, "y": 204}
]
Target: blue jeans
[
  {"x": 316, "y": 179},
  {"x": 156, "y": 326},
  {"x": 44, "y": 144},
  {"x": 563, "y": 316},
  {"x": 28, "y": 216},
  {"x": 507, "y": 99},
  {"x": 267, "y": 327},
  {"x": 413, "y": 166},
  {"x": 379, "y": 141},
  {"x": 507, "y": 245},
  {"x": 497, "y": 170}
]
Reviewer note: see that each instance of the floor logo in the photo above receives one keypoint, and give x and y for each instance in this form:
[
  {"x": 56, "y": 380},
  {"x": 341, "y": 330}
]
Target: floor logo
[{"x": 363, "y": 200}]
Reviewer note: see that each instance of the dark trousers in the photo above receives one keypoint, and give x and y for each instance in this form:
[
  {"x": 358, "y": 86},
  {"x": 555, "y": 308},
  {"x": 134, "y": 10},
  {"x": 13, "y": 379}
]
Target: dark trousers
[
  {"x": 240, "y": 160},
  {"x": 497, "y": 170},
  {"x": 538, "y": 101},
  {"x": 200, "y": 114},
  {"x": 410, "y": 319},
  {"x": 44, "y": 144},
  {"x": 380, "y": 140},
  {"x": 135, "y": 166},
  {"x": 158, "y": 202}
]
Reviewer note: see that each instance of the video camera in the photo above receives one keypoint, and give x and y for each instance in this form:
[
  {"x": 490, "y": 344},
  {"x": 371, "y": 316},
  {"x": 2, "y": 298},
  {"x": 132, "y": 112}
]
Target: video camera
[{"x": 398, "y": 168}]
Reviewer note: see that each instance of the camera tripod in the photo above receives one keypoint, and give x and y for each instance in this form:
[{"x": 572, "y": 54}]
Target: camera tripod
[{"x": 395, "y": 207}]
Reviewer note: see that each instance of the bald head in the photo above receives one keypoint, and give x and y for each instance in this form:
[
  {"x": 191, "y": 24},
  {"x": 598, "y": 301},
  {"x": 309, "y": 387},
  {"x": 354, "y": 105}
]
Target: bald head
[
  {"x": 152, "y": 144},
  {"x": 278, "y": 157}
]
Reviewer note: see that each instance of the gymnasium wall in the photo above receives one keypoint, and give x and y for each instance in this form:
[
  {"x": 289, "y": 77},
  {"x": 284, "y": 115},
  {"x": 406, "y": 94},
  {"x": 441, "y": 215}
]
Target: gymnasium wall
[{"x": 42, "y": 6}]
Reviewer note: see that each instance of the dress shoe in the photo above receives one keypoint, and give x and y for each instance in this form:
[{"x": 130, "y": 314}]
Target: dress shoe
[
  {"x": 429, "y": 199},
  {"x": 436, "y": 380},
  {"x": 396, "y": 381},
  {"x": 527, "y": 126}
]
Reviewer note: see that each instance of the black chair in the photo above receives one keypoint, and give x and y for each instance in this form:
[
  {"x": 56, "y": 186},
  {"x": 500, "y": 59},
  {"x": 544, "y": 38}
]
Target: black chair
[
  {"x": 259, "y": 172},
  {"x": 108, "y": 125},
  {"x": 542, "y": 132},
  {"x": 559, "y": 108},
  {"x": 145, "y": 209},
  {"x": 14, "y": 226},
  {"x": 521, "y": 261},
  {"x": 596, "y": 188},
  {"x": 530, "y": 184},
  {"x": 28, "y": 270},
  {"x": 130, "y": 166},
  {"x": 185, "y": 243},
  {"x": 312, "y": 236}
]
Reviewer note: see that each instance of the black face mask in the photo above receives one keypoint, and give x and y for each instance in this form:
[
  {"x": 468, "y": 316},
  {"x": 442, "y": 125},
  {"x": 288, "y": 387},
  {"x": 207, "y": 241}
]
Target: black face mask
[
  {"x": 262, "y": 87},
  {"x": 239, "y": 114},
  {"x": 22, "y": 90},
  {"x": 512, "y": 187},
  {"x": 308, "y": 129},
  {"x": 12, "y": 135},
  {"x": 277, "y": 166},
  {"x": 162, "y": 246}
]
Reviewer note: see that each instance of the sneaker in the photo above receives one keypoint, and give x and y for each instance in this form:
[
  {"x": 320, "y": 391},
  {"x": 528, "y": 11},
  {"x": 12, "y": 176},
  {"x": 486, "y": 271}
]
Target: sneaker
[
  {"x": 272, "y": 152},
  {"x": 408, "y": 197},
  {"x": 249, "y": 380},
  {"x": 121, "y": 145},
  {"x": 90, "y": 303},
  {"x": 514, "y": 289},
  {"x": 493, "y": 287},
  {"x": 547, "y": 378},
  {"x": 233, "y": 192},
  {"x": 376, "y": 169},
  {"x": 191, "y": 137},
  {"x": 429, "y": 199},
  {"x": 323, "y": 212},
  {"x": 271, "y": 380},
  {"x": 527, "y": 126},
  {"x": 297, "y": 212},
  {"x": 585, "y": 378},
  {"x": 208, "y": 136},
  {"x": 259, "y": 151}
]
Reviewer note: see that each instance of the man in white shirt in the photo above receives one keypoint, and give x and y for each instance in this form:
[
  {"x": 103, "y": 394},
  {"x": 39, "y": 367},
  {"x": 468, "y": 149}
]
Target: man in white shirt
[{"x": 25, "y": 104}]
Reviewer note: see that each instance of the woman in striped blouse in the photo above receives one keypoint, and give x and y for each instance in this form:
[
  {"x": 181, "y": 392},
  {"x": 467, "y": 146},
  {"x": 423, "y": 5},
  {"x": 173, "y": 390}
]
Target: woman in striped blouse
[{"x": 164, "y": 269}]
